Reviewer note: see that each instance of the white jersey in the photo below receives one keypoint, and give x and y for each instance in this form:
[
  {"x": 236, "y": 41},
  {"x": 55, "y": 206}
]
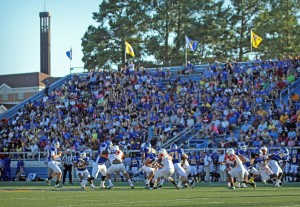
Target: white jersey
[
  {"x": 115, "y": 155},
  {"x": 167, "y": 162},
  {"x": 230, "y": 160}
]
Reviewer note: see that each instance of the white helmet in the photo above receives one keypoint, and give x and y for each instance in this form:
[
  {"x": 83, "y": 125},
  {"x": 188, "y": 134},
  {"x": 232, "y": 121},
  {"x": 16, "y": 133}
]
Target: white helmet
[
  {"x": 230, "y": 151},
  {"x": 264, "y": 148},
  {"x": 162, "y": 151},
  {"x": 115, "y": 147}
]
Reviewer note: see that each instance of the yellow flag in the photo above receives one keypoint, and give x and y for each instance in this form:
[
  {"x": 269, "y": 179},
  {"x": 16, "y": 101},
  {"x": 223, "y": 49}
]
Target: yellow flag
[
  {"x": 129, "y": 49},
  {"x": 255, "y": 39}
]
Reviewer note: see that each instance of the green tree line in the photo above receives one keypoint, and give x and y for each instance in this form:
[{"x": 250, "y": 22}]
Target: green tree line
[{"x": 157, "y": 29}]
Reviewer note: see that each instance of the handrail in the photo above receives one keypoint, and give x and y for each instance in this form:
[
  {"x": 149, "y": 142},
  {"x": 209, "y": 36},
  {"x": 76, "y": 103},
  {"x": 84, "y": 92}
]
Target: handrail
[
  {"x": 41, "y": 158},
  {"x": 176, "y": 137},
  {"x": 287, "y": 90}
]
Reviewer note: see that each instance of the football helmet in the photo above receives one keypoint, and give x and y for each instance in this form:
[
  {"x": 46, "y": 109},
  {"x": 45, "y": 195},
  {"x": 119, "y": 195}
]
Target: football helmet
[
  {"x": 264, "y": 148},
  {"x": 294, "y": 151},
  {"x": 284, "y": 150},
  {"x": 56, "y": 144},
  {"x": 244, "y": 146},
  {"x": 108, "y": 143},
  {"x": 257, "y": 152},
  {"x": 115, "y": 147},
  {"x": 230, "y": 151},
  {"x": 147, "y": 144},
  {"x": 162, "y": 152},
  {"x": 82, "y": 154},
  {"x": 173, "y": 146}
]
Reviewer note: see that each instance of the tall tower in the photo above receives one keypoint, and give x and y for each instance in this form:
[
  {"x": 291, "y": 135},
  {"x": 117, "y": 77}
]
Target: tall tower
[{"x": 45, "y": 55}]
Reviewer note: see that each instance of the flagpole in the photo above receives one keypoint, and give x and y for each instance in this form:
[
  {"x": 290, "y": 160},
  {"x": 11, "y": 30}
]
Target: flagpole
[
  {"x": 71, "y": 59},
  {"x": 185, "y": 52},
  {"x": 125, "y": 52},
  {"x": 251, "y": 42}
]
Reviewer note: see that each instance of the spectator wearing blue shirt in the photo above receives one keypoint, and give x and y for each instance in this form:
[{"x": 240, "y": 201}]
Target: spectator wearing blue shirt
[{"x": 208, "y": 74}]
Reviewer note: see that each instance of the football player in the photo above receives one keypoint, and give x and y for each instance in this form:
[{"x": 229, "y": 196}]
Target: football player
[
  {"x": 201, "y": 169},
  {"x": 166, "y": 170},
  {"x": 177, "y": 155},
  {"x": 193, "y": 160},
  {"x": 235, "y": 169},
  {"x": 257, "y": 158},
  {"x": 294, "y": 165},
  {"x": 146, "y": 150},
  {"x": 52, "y": 157},
  {"x": 99, "y": 162},
  {"x": 81, "y": 163},
  {"x": 134, "y": 165},
  {"x": 279, "y": 156},
  {"x": 116, "y": 157},
  {"x": 247, "y": 165},
  {"x": 149, "y": 168}
]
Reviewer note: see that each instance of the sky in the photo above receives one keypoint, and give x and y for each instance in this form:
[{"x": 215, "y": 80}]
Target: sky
[{"x": 20, "y": 34}]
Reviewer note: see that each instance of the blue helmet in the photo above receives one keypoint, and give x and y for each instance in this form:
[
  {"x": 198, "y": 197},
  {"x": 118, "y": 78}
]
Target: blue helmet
[
  {"x": 56, "y": 143},
  {"x": 284, "y": 150},
  {"x": 147, "y": 144},
  {"x": 257, "y": 152},
  {"x": 82, "y": 154},
  {"x": 108, "y": 143},
  {"x": 173, "y": 146},
  {"x": 243, "y": 146}
]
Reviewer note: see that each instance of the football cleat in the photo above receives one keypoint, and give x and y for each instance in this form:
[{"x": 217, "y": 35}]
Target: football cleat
[
  {"x": 110, "y": 187},
  {"x": 253, "y": 184},
  {"x": 251, "y": 180},
  {"x": 92, "y": 186},
  {"x": 186, "y": 185},
  {"x": 83, "y": 188},
  {"x": 132, "y": 187},
  {"x": 177, "y": 187},
  {"x": 56, "y": 186},
  {"x": 150, "y": 188},
  {"x": 48, "y": 182},
  {"x": 193, "y": 183},
  {"x": 231, "y": 187}
]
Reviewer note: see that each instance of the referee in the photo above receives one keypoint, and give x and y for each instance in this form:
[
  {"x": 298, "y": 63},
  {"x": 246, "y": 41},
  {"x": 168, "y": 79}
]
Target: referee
[{"x": 67, "y": 160}]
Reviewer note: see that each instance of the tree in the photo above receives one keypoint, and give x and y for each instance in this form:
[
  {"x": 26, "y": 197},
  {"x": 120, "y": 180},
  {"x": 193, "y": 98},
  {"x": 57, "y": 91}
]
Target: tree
[
  {"x": 119, "y": 21},
  {"x": 279, "y": 26}
]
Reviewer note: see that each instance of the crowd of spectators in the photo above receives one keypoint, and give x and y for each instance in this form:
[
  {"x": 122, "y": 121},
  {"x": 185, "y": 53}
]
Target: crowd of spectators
[{"x": 233, "y": 103}]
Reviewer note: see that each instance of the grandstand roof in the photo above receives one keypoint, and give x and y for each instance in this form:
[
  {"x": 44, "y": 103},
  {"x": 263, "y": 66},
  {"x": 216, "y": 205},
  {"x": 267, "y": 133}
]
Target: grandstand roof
[{"x": 25, "y": 79}]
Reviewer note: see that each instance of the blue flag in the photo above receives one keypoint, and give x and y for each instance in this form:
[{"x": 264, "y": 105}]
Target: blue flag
[
  {"x": 69, "y": 54},
  {"x": 191, "y": 44}
]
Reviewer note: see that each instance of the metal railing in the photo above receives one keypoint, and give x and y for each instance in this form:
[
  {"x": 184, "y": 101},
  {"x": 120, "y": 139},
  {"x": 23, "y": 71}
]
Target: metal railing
[
  {"x": 177, "y": 137},
  {"x": 287, "y": 91}
]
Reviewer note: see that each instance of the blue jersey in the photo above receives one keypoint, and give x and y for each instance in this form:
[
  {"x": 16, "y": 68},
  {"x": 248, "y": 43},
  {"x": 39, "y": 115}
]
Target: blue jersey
[
  {"x": 147, "y": 151},
  {"x": 101, "y": 160},
  {"x": 134, "y": 162},
  {"x": 277, "y": 156},
  {"x": 193, "y": 160},
  {"x": 82, "y": 163},
  {"x": 258, "y": 160},
  {"x": 152, "y": 158},
  {"x": 176, "y": 154},
  {"x": 201, "y": 160},
  {"x": 294, "y": 159},
  {"x": 52, "y": 152}
]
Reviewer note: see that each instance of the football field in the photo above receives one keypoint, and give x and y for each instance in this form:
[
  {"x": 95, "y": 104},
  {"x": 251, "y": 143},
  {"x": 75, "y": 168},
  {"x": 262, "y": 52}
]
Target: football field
[{"x": 204, "y": 194}]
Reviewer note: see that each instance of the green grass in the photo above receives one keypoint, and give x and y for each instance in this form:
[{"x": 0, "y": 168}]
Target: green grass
[{"x": 204, "y": 194}]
